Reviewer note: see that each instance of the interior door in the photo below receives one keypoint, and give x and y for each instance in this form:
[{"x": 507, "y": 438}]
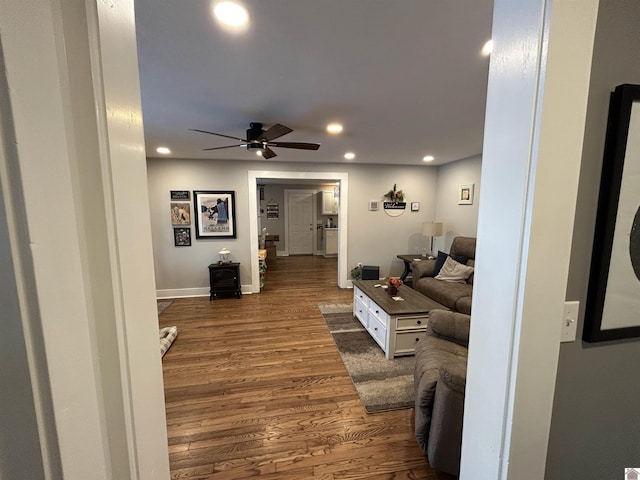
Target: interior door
[{"x": 299, "y": 221}]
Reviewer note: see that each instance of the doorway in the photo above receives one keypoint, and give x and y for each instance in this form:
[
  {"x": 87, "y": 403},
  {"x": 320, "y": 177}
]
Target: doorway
[{"x": 254, "y": 178}]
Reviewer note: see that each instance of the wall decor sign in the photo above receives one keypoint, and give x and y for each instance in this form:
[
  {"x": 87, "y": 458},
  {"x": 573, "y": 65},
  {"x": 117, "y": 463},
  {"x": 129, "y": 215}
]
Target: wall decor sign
[
  {"x": 179, "y": 194},
  {"x": 180, "y": 213},
  {"x": 373, "y": 206},
  {"x": 273, "y": 210},
  {"x": 215, "y": 213},
  {"x": 465, "y": 194},
  {"x": 394, "y": 203},
  {"x": 182, "y": 237},
  {"x": 613, "y": 299},
  {"x": 415, "y": 206},
  {"x": 394, "y": 209}
]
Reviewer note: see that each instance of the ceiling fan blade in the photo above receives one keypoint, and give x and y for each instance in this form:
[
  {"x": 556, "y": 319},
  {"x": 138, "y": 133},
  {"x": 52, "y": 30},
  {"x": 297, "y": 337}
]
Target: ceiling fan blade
[
  {"x": 218, "y": 134},
  {"x": 228, "y": 146},
  {"x": 274, "y": 132},
  {"x": 267, "y": 153},
  {"x": 299, "y": 145}
]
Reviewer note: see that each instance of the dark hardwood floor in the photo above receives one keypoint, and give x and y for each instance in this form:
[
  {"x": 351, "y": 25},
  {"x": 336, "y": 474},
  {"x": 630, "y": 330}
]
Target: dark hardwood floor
[{"x": 255, "y": 387}]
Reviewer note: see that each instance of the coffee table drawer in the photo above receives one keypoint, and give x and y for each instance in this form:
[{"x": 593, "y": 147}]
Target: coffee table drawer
[
  {"x": 378, "y": 331},
  {"x": 412, "y": 322},
  {"x": 357, "y": 294},
  {"x": 379, "y": 313},
  {"x": 360, "y": 311},
  {"x": 406, "y": 342}
]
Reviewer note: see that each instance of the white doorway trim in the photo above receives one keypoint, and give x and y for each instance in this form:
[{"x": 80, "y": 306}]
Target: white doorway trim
[{"x": 341, "y": 177}]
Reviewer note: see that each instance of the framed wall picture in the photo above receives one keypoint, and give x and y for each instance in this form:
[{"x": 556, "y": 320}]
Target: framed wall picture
[
  {"x": 415, "y": 206},
  {"x": 215, "y": 213},
  {"x": 180, "y": 213},
  {"x": 465, "y": 194},
  {"x": 179, "y": 194},
  {"x": 182, "y": 237},
  {"x": 613, "y": 299}
]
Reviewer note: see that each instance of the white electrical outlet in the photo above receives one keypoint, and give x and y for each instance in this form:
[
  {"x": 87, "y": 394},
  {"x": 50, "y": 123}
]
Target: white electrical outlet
[{"x": 570, "y": 321}]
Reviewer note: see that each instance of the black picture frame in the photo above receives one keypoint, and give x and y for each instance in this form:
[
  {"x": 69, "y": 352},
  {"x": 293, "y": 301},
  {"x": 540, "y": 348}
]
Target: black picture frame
[
  {"x": 182, "y": 237},
  {"x": 215, "y": 213},
  {"x": 614, "y": 282}
]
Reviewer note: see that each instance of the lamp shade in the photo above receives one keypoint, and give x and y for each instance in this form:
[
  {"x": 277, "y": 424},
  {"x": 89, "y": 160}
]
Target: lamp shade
[{"x": 431, "y": 229}]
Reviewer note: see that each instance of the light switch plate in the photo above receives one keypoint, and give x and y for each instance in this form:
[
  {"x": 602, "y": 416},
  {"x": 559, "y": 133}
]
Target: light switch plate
[{"x": 570, "y": 321}]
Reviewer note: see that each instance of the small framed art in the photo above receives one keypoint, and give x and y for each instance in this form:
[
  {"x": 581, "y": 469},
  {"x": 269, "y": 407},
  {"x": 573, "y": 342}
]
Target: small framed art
[
  {"x": 180, "y": 213},
  {"x": 182, "y": 237},
  {"x": 415, "y": 206},
  {"x": 465, "y": 194}
]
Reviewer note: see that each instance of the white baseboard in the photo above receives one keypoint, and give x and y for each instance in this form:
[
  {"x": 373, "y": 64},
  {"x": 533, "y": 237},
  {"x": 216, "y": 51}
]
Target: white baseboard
[{"x": 193, "y": 292}]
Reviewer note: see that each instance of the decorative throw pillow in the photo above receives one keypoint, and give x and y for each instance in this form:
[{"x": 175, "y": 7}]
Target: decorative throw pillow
[
  {"x": 455, "y": 272},
  {"x": 442, "y": 257}
]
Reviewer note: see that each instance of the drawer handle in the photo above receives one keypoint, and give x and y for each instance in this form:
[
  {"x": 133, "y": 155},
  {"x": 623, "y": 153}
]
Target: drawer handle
[
  {"x": 375, "y": 328},
  {"x": 417, "y": 340},
  {"x": 419, "y": 322},
  {"x": 377, "y": 311}
]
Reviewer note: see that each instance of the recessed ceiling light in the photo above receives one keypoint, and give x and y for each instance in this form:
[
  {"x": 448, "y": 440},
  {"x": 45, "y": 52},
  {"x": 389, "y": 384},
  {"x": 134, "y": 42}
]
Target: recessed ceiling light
[
  {"x": 428, "y": 158},
  {"x": 231, "y": 14},
  {"x": 334, "y": 128},
  {"x": 349, "y": 155},
  {"x": 163, "y": 150},
  {"x": 487, "y": 48}
]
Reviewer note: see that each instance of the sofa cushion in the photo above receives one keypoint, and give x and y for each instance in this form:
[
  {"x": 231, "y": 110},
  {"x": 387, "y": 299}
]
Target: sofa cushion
[
  {"x": 465, "y": 246},
  {"x": 463, "y": 305},
  {"x": 442, "y": 258},
  {"x": 430, "y": 355},
  {"x": 445, "y": 293},
  {"x": 422, "y": 268},
  {"x": 451, "y": 326},
  {"x": 453, "y": 271}
]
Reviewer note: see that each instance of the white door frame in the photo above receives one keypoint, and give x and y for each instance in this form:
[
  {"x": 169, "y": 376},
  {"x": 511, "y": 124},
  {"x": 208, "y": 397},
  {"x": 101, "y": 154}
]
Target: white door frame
[
  {"x": 342, "y": 177},
  {"x": 314, "y": 216}
]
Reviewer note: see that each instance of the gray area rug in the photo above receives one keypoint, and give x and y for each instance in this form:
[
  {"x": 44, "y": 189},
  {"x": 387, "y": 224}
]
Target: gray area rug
[{"x": 382, "y": 384}]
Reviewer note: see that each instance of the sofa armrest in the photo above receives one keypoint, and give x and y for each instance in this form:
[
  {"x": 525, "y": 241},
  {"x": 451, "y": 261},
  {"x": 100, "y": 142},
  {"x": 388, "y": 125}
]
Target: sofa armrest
[
  {"x": 423, "y": 268},
  {"x": 452, "y": 326}
]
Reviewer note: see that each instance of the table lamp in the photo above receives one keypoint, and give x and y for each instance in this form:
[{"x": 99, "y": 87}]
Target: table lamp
[{"x": 431, "y": 229}]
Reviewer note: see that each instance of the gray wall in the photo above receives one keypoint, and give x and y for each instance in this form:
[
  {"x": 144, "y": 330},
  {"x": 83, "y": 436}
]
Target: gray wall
[
  {"x": 374, "y": 238},
  {"x": 458, "y": 219},
  {"x": 595, "y": 429}
]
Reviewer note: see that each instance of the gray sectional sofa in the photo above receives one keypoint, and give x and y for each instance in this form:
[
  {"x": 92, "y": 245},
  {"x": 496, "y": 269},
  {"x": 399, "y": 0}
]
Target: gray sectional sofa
[
  {"x": 453, "y": 295},
  {"x": 440, "y": 377}
]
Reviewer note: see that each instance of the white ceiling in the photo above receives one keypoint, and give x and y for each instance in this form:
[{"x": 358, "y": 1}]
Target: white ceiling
[{"x": 406, "y": 78}]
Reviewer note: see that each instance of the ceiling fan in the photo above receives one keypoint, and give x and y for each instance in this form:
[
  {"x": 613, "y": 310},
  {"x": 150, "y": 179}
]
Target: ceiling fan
[{"x": 262, "y": 140}]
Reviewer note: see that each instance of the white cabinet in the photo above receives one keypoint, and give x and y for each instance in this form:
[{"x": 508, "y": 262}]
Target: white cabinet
[
  {"x": 329, "y": 203},
  {"x": 330, "y": 241}
]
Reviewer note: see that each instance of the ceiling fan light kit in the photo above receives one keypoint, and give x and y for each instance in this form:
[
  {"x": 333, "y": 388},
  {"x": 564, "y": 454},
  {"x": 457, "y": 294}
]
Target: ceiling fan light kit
[{"x": 260, "y": 140}]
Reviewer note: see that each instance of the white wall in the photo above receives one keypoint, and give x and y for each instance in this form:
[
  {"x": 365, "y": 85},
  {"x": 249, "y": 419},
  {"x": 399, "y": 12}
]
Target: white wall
[
  {"x": 534, "y": 125},
  {"x": 374, "y": 237},
  {"x": 83, "y": 277},
  {"x": 596, "y": 416},
  {"x": 459, "y": 220}
]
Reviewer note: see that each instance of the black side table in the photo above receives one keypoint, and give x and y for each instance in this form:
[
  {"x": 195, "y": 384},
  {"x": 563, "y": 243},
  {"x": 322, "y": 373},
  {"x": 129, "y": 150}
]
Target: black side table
[{"x": 224, "y": 280}]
